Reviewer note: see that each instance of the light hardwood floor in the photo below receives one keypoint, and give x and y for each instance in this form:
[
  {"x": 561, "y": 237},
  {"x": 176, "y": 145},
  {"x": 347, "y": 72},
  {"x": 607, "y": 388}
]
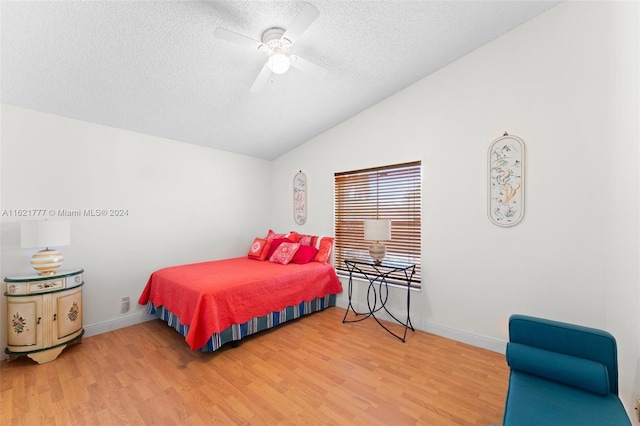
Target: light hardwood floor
[{"x": 314, "y": 370}]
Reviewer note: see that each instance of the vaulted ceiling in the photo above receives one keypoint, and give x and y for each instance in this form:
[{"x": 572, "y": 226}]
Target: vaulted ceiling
[{"x": 155, "y": 67}]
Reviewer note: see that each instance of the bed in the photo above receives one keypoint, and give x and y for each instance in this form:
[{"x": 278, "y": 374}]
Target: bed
[{"x": 217, "y": 302}]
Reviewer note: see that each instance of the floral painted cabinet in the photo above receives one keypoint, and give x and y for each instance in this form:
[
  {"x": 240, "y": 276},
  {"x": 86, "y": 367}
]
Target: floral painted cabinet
[{"x": 44, "y": 315}]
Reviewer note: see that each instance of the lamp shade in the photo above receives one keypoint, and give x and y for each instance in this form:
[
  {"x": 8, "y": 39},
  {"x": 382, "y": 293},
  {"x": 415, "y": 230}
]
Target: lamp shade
[
  {"x": 377, "y": 229},
  {"x": 45, "y": 233}
]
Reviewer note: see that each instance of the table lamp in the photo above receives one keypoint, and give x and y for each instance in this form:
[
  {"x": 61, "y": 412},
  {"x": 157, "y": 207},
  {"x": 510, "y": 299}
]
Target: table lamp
[
  {"x": 377, "y": 230},
  {"x": 47, "y": 234}
]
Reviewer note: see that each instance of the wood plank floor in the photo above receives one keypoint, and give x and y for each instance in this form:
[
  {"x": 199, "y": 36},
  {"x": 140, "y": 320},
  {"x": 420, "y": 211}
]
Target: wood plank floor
[{"x": 314, "y": 370}]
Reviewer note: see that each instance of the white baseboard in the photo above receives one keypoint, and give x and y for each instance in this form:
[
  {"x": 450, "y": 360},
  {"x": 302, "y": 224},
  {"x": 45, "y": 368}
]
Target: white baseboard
[
  {"x": 483, "y": 342},
  {"x": 479, "y": 341},
  {"x": 114, "y": 324}
]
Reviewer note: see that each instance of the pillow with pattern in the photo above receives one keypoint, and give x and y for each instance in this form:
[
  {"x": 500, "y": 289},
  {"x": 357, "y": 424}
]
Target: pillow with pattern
[
  {"x": 275, "y": 243},
  {"x": 305, "y": 240},
  {"x": 259, "y": 249},
  {"x": 284, "y": 253}
]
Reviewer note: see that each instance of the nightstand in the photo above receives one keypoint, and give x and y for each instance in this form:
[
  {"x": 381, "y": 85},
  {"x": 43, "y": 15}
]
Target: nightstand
[{"x": 44, "y": 314}]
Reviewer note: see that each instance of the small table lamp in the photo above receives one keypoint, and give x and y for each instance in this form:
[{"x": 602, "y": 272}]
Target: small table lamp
[
  {"x": 45, "y": 234},
  {"x": 377, "y": 230}
]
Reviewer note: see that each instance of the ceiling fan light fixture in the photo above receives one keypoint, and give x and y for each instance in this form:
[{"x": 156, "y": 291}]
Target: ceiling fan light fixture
[
  {"x": 275, "y": 43},
  {"x": 279, "y": 63}
]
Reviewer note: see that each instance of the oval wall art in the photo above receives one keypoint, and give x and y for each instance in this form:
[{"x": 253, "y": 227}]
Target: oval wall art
[
  {"x": 300, "y": 198},
  {"x": 506, "y": 181}
]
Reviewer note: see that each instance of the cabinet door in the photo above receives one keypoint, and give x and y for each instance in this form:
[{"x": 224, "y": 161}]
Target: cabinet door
[
  {"x": 24, "y": 322},
  {"x": 68, "y": 315}
]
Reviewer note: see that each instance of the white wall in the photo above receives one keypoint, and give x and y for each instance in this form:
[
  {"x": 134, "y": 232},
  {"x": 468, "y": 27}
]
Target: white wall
[
  {"x": 623, "y": 213},
  {"x": 547, "y": 82},
  {"x": 185, "y": 204}
]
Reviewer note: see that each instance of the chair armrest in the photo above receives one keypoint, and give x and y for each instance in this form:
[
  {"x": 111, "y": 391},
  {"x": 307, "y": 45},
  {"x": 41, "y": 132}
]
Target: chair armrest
[{"x": 569, "y": 370}]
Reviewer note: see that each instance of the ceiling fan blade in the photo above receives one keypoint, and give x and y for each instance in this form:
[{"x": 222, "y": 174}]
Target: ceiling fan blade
[
  {"x": 301, "y": 22},
  {"x": 228, "y": 35},
  {"x": 308, "y": 67},
  {"x": 261, "y": 80}
]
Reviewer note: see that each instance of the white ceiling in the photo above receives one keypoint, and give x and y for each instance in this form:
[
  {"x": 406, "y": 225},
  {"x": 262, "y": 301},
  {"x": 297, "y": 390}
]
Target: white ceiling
[{"x": 155, "y": 67}]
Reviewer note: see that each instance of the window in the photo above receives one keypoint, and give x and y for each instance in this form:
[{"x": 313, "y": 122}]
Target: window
[{"x": 389, "y": 192}]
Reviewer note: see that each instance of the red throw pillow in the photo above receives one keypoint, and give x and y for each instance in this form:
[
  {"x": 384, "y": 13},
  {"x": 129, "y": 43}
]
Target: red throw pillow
[
  {"x": 272, "y": 235},
  {"x": 305, "y": 240},
  {"x": 284, "y": 253},
  {"x": 305, "y": 254},
  {"x": 294, "y": 236},
  {"x": 259, "y": 249},
  {"x": 274, "y": 245},
  {"x": 325, "y": 244}
]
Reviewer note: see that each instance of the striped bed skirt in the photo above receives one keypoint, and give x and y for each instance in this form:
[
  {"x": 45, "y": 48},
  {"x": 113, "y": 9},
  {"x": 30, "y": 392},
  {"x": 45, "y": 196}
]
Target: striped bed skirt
[{"x": 239, "y": 331}]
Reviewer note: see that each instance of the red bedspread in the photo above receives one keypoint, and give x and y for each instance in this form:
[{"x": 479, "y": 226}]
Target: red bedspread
[{"x": 211, "y": 296}]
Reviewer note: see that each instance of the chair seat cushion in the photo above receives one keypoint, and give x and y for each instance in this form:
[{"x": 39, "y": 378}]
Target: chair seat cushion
[{"x": 535, "y": 401}]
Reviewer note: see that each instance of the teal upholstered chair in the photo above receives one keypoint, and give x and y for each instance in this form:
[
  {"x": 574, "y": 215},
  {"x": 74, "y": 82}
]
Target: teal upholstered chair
[{"x": 561, "y": 374}]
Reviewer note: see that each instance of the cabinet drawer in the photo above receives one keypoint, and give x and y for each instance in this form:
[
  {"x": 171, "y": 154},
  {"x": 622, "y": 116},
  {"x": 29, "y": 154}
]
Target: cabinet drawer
[
  {"x": 45, "y": 286},
  {"x": 74, "y": 281}
]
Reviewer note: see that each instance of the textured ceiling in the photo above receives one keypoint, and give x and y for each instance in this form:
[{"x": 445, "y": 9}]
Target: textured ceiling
[{"x": 155, "y": 67}]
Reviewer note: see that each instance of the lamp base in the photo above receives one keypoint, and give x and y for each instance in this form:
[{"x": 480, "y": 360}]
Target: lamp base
[
  {"x": 377, "y": 251},
  {"x": 47, "y": 261}
]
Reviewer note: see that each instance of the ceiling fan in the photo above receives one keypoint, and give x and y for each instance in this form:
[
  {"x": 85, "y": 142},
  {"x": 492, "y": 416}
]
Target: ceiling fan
[{"x": 276, "y": 43}]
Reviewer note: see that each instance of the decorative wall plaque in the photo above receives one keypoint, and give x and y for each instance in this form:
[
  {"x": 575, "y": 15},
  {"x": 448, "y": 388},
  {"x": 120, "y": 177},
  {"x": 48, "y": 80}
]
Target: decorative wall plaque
[
  {"x": 506, "y": 181},
  {"x": 300, "y": 198}
]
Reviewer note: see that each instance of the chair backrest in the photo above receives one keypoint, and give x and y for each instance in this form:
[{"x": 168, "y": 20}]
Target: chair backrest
[{"x": 569, "y": 339}]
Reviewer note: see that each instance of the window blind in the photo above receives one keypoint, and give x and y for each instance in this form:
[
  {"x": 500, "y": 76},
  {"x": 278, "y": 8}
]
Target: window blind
[{"x": 389, "y": 192}]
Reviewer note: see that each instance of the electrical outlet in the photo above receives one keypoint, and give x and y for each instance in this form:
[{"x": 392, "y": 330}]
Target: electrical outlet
[{"x": 124, "y": 307}]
